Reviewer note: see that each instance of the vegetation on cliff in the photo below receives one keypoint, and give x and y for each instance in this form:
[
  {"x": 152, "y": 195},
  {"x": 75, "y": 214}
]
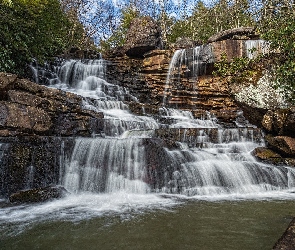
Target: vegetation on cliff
[
  {"x": 35, "y": 29},
  {"x": 41, "y": 29}
]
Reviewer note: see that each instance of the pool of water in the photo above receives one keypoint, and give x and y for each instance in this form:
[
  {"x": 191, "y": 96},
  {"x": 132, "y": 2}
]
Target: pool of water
[{"x": 145, "y": 222}]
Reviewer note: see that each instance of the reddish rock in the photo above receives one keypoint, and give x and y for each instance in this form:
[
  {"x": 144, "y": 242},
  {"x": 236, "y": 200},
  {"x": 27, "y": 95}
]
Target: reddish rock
[{"x": 230, "y": 48}]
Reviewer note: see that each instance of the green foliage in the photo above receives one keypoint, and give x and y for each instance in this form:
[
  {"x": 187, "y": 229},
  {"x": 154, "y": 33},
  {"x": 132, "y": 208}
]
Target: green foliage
[
  {"x": 278, "y": 27},
  {"x": 207, "y": 21},
  {"x": 33, "y": 29},
  {"x": 119, "y": 35},
  {"x": 238, "y": 67}
]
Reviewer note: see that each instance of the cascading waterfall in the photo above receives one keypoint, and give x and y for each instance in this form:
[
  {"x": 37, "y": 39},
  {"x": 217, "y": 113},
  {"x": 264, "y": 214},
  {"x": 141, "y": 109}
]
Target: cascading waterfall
[
  {"x": 147, "y": 163},
  {"x": 107, "y": 165},
  {"x": 206, "y": 161},
  {"x": 191, "y": 62}
]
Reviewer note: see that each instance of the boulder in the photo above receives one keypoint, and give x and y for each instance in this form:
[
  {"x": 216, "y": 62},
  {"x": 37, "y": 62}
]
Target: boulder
[
  {"x": 185, "y": 43},
  {"x": 27, "y": 108},
  {"x": 287, "y": 240},
  {"x": 236, "y": 33},
  {"x": 280, "y": 122},
  {"x": 38, "y": 194},
  {"x": 267, "y": 155},
  {"x": 143, "y": 36},
  {"x": 282, "y": 144}
]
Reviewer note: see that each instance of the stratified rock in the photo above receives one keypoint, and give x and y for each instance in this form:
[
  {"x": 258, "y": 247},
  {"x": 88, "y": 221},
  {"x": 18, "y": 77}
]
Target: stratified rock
[
  {"x": 287, "y": 240},
  {"x": 38, "y": 195},
  {"x": 27, "y": 108},
  {"x": 241, "y": 32},
  {"x": 143, "y": 36},
  {"x": 283, "y": 144},
  {"x": 147, "y": 80}
]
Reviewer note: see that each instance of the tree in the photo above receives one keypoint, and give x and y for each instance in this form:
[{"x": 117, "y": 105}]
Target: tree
[
  {"x": 119, "y": 35},
  {"x": 34, "y": 29},
  {"x": 277, "y": 25}
]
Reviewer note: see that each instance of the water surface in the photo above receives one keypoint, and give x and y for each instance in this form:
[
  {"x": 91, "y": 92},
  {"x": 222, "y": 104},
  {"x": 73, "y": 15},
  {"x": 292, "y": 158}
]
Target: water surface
[{"x": 167, "y": 223}]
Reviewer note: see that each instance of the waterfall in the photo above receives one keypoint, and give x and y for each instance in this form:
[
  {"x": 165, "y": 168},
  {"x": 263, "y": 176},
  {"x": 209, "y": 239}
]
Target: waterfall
[
  {"x": 225, "y": 168},
  {"x": 189, "y": 63},
  {"x": 107, "y": 165},
  {"x": 170, "y": 152},
  {"x": 256, "y": 47}
]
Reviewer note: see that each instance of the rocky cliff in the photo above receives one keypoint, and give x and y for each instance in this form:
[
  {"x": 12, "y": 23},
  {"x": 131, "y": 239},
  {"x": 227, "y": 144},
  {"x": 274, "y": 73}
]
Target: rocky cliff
[
  {"x": 27, "y": 108},
  {"x": 37, "y": 125}
]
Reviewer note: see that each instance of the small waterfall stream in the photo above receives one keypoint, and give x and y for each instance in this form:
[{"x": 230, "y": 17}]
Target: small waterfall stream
[{"x": 187, "y": 63}]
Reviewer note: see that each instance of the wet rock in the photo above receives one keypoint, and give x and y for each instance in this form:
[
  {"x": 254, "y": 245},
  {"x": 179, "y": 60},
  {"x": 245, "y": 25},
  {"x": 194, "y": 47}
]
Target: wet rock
[
  {"x": 29, "y": 162},
  {"x": 38, "y": 195},
  {"x": 28, "y": 108},
  {"x": 283, "y": 144},
  {"x": 267, "y": 155},
  {"x": 287, "y": 240},
  {"x": 241, "y": 32},
  {"x": 194, "y": 137},
  {"x": 143, "y": 36}
]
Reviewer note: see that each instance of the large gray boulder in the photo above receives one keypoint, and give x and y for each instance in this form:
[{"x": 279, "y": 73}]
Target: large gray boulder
[
  {"x": 236, "y": 33},
  {"x": 143, "y": 36}
]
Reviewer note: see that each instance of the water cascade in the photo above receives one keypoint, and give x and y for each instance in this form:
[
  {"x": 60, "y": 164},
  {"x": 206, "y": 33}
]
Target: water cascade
[
  {"x": 256, "y": 47},
  {"x": 170, "y": 153},
  {"x": 187, "y": 63}
]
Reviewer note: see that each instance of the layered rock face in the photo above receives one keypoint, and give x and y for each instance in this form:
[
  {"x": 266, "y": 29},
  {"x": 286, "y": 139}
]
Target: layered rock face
[
  {"x": 181, "y": 78},
  {"x": 190, "y": 85},
  {"x": 36, "y": 128},
  {"x": 27, "y": 108}
]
